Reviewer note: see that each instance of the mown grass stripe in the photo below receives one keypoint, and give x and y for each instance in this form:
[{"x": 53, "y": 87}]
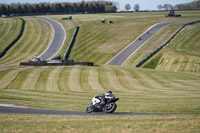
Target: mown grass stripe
[
  {"x": 45, "y": 39},
  {"x": 103, "y": 79},
  {"x": 42, "y": 80},
  {"x": 140, "y": 78},
  {"x": 7, "y": 32},
  {"x": 21, "y": 44},
  {"x": 74, "y": 79},
  {"x": 164, "y": 80},
  {"x": 17, "y": 82},
  {"x": 113, "y": 80},
  {"x": 31, "y": 79},
  {"x": 137, "y": 83},
  {"x": 38, "y": 34},
  {"x": 9, "y": 77},
  {"x": 93, "y": 80},
  {"x": 35, "y": 38},
  {"x": 13, "y": 32},
  {"x": 124, "y": 79},
  {"x": 2, "y": 33},
  {"x": 3, "y": 73},
  {"x": 153, "y": 83},
  {"x": 134, "y": 84},
  {"x": 53, "y": 79},
  {"x": 63, "y": 80},
  {"x": 84, "y": 79}
]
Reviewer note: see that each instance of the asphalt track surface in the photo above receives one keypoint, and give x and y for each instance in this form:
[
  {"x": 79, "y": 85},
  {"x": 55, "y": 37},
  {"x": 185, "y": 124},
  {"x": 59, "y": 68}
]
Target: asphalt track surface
[
  {"x": 57, "y": 41},
  {"x": 128, "y": 51},
  {"x": 14, "y": 110}
]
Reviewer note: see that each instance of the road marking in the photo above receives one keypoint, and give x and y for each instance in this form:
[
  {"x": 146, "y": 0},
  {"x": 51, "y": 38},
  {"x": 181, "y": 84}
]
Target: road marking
[{"x": 14, "y": 106}]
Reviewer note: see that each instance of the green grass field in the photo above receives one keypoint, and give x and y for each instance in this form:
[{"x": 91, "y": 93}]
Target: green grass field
[
  {"x": 62, "y": 88},
  {"x": 35, "y": 39},
  {"x": 98, "y": 124},
  {"x": 9, "y": 29},
  {"x": 141, "y": 90},
  {"x": 182, "y": 54}
]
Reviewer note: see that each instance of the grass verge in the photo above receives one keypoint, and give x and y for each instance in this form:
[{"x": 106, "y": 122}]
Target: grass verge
[{"x": 91, "y": 124}]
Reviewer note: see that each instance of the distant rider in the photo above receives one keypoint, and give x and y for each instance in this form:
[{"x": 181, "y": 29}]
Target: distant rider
[{"x": 103, "y": 97}]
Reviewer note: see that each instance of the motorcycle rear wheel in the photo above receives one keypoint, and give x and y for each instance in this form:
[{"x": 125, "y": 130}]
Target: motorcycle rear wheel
[{"x": 110, "y": 108}]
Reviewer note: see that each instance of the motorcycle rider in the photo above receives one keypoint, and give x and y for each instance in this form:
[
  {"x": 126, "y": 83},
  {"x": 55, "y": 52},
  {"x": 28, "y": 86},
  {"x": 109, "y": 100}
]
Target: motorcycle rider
[{"x": 104, "y": 97}]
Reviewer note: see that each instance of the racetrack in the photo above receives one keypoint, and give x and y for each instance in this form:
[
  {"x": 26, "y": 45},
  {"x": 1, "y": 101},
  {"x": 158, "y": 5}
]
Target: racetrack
[
  {"x": 19, "y": 110},
  {"x": 128, "y": 51},
  {"x": 58, "y": 39}
]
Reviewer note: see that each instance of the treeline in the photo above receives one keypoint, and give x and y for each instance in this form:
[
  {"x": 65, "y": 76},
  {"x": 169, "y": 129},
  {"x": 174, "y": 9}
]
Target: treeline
[
  {"x": 195, "y": 5},
  {"x": 81, "y": 7}
]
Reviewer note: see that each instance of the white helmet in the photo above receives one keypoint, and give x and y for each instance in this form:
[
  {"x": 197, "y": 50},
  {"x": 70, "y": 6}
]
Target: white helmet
[{"x": 108, "y": 93}]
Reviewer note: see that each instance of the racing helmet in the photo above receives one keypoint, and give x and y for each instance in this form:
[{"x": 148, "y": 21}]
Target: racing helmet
[{"x": 108, "y": 93}]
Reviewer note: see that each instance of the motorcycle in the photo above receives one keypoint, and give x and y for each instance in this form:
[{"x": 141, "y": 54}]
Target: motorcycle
[{"x": 108, "y": 107}]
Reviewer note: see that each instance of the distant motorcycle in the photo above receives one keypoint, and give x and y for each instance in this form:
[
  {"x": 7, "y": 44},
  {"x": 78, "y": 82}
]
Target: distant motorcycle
[{"x": 108, "y": 107}]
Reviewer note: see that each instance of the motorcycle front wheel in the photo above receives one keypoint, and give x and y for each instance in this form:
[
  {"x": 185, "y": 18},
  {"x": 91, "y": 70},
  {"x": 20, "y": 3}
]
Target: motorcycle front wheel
[
  {"x": 110, "y": 108},
  {"x": 90, "y": 109}
]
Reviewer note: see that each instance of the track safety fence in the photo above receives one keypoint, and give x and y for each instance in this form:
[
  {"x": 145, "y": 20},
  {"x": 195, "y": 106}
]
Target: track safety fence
[{"x": 67, "y": 53}]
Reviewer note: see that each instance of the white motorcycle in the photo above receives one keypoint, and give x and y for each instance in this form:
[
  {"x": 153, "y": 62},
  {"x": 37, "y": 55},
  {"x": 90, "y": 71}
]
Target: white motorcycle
[{"x": 108, "y": 107}]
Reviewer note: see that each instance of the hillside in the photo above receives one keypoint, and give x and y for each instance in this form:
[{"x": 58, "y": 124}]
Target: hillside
[
  {"x": 98, "y": 79},
  {"x": 165, "y": 89},
  {"x": 34, "y": 41},
  {"x": 140, "y": 90},
  {"x": 182, "y": 54},
  {"x": 9, "y": 29},
  {"x": 171, "y": 58},
  {"x": 98, "y": 43}
]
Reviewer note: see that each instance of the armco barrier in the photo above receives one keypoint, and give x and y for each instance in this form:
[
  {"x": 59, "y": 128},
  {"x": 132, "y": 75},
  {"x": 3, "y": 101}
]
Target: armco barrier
[
  {"x": 15, "y": 40},
  {"x": 165, "y": 44},
  {"x": 71, "y": 43},
  {"x": 63, "y": 63}
]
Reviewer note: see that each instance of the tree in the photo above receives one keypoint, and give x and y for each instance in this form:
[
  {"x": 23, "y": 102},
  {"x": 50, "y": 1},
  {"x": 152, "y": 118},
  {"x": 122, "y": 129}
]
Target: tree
[
  {"x": 195, "y": 5},
  {"x": 116, "y": 4},
  {"x": 168, "y": 6},
  {"x": 3, "y": 9},
  {"x": 160, "y": 7},
  {"x": 92, "y": 7},
  {"x": 127, "y": 7},
  {"x": 137, "y": 7},
  {"x": 110, "y": 8}
]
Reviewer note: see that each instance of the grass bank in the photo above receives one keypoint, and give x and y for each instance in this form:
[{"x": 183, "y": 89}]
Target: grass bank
[
  {"x": 34, "y": 41},
  {"x": 182, "y": 54},
  {"x": 9, "y": 30},
  {"x": 62, "y": 88},
  {"x": 98, "y": 43},
  {"x": 91, "y": 124}
]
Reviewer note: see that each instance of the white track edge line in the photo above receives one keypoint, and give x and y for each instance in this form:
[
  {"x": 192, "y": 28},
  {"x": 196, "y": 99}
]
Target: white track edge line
[{"x": 53, "y": 34}]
